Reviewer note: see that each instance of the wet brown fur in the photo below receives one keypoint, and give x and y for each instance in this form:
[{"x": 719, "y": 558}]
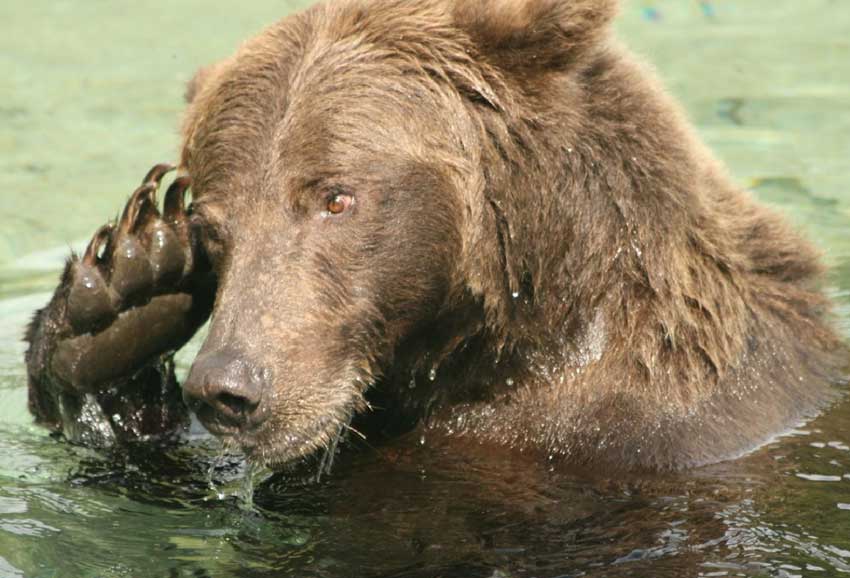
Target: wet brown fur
[{"x": 542, "y": 252}]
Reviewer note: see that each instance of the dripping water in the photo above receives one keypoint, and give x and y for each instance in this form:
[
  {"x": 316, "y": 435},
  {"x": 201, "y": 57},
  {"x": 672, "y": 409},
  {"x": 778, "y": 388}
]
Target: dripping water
[{"x": 216, "y": 464}]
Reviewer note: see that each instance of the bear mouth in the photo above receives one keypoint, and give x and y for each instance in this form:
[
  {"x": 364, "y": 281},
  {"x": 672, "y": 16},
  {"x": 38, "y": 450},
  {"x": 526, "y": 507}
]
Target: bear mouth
[
  {"x": 289, "y": 423},
  {"x": 278, "y": 450},
  {"x": 274, "y": 445}
]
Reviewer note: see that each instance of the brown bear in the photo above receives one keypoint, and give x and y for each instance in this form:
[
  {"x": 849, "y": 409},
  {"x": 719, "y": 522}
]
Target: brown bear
[{"x": 483, "y": 218}]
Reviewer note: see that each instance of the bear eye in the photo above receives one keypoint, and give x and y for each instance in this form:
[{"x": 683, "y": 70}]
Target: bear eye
[{"x": 338, "y": 204}]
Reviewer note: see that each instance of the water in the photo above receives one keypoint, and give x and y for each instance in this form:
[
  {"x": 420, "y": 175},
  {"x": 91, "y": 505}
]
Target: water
[{"x": 91, "y": 97}]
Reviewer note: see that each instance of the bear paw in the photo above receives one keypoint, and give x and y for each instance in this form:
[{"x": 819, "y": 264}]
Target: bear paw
[{"x": 138, "y": 292}]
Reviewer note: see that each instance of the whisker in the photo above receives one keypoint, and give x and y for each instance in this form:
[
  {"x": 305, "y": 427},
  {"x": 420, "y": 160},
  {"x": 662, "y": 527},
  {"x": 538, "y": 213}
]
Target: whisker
[
  {"x": 327, "y": 460},
  {"x": 352, "y": 429}
]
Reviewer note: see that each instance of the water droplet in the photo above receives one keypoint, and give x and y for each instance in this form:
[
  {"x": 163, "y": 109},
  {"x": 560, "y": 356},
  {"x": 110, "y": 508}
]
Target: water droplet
[
  {"x": 636, "y": 249},
  {"x": 432, "y": 375},
  {"x": 515, "y": 294},
  {"x": 422, "y": 440},
  {"x": 510, "y": 382}
]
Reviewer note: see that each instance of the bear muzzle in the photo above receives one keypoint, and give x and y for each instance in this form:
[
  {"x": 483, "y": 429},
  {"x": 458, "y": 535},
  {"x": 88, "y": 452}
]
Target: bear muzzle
[{"x": 226, "y": 392}]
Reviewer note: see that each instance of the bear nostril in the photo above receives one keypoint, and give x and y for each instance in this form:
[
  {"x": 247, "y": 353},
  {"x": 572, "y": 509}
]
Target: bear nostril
[
  {"x": 225, "y": 391},
  {"x": 234, "y": 405}
]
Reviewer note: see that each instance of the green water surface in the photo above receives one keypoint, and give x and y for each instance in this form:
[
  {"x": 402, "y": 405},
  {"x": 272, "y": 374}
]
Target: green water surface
[{"x": 91, "y": 96}]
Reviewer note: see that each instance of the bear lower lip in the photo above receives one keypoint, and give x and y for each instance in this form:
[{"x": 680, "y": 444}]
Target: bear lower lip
[
  {"x": 275, "y": 448},
  {"x": 220, "y": 424},
  {"x": 248, "y": 439},
  {"x": 222, "y": 427},
  {"x": 219, "y": 430}
]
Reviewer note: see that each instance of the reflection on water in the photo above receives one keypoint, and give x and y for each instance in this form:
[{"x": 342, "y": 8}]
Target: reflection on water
[{"x": 92, "y": 93}]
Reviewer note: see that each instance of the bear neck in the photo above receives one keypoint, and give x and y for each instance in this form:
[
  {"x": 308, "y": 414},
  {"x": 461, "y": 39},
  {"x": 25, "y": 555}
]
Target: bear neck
[{"x": 628, "y": 276}]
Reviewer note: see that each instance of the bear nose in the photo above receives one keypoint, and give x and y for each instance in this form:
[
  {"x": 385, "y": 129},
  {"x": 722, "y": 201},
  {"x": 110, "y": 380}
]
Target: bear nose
[{"x": 225, "y": 391}]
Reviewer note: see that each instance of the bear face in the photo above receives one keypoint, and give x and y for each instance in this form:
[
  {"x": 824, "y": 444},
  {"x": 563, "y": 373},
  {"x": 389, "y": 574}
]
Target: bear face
[
  {"x": 493, "y": 202},
  {"x": 339, "y": 183},
  {"x": 331, "y": 213}
]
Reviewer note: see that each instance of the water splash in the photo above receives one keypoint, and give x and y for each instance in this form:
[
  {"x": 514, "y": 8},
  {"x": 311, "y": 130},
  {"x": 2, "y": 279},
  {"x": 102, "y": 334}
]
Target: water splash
[
  {"x": 232, "y": 476},
  {"x": 255, "y": 474},
  {"x": 216, "y": 464},
  {"x": 90, "y": 425}
]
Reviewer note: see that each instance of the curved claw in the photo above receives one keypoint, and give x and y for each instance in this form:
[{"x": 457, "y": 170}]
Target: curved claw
[
  {"x": 146, "y": 213},
  {"x": 101, "y": 238},
  {"x": 154, "y": 176},
  {"x": 174, "y": 208},
  {"x": 146, "y": 194},
  {"x": 89, "y": 301}
]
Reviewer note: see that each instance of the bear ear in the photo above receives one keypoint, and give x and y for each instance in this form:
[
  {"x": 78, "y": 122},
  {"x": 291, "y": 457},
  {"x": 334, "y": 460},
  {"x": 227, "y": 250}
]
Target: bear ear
[{"x": 535, "y": 34}]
